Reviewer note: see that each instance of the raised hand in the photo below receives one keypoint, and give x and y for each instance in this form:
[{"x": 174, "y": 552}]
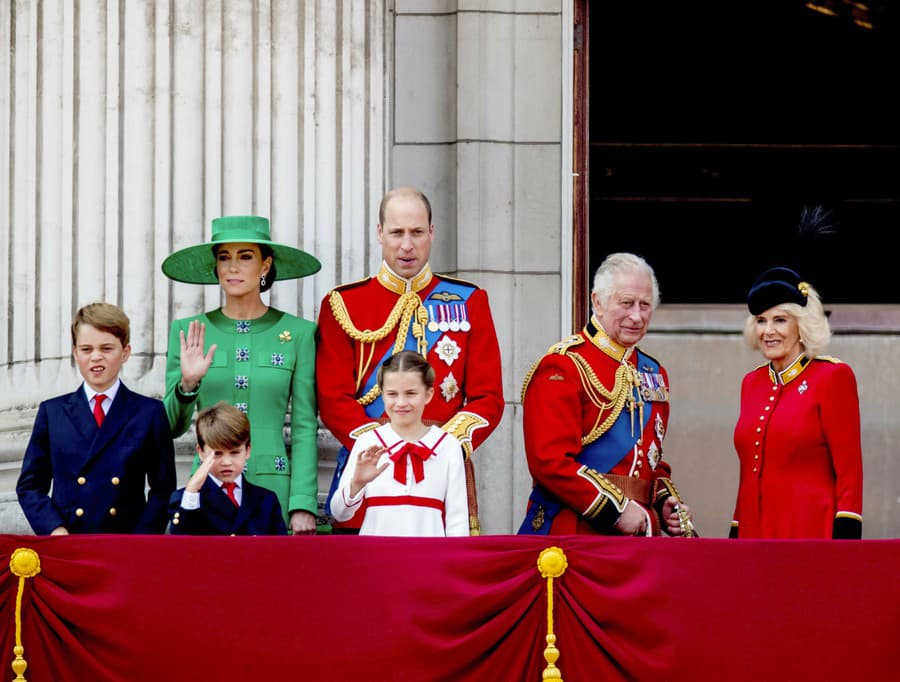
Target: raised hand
[
  {"x": 367, "y": 468},
  {"x": 198, "y": 478},
  {"x": 194, "y": 362}
]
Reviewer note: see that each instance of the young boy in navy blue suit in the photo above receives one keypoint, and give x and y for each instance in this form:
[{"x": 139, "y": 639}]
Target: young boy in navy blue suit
[
  {"x": 98, "y": 445},
  {"x": 218, "y": 499}
]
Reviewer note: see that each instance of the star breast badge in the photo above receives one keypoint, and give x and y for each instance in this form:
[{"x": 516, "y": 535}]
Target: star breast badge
[
  {"x": 448, "y": 350},
  {"x": 449, "y": 387}
]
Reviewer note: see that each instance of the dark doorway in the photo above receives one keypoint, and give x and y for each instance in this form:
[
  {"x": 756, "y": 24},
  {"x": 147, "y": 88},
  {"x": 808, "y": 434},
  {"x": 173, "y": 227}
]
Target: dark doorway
[{"x": 712, "y": 125}]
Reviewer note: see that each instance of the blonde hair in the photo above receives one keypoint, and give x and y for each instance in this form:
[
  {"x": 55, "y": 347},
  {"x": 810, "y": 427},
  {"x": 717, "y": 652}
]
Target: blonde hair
[{"x": 815, "y": 332}]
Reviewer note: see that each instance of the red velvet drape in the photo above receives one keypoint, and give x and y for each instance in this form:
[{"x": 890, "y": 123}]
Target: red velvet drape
[{"x": 351, "y": 608}]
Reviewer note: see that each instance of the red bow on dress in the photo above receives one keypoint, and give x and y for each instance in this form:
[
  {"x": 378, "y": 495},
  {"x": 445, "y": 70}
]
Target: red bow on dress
[{"x": 417, "y": 455}]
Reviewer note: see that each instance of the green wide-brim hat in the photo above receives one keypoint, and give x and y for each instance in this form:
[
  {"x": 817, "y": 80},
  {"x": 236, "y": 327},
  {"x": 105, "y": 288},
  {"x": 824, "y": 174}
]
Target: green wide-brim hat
[{"x": 197, "y": 264}]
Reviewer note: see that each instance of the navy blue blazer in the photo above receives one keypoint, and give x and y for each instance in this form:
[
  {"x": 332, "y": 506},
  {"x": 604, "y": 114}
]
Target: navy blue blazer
[
  {"x": 259, "y": 513},
  {"x": 98, "y": 474}
]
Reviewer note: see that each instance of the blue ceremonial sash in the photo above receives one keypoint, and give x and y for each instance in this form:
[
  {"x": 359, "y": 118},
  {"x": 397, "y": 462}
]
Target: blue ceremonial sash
[
  {"x": 376, "y": 408},
  {"x": 601, "y": 456}
]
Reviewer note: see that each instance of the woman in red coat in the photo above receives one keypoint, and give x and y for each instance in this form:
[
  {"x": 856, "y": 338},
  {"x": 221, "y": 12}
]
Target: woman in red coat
[{"x": 798, "y": 434}]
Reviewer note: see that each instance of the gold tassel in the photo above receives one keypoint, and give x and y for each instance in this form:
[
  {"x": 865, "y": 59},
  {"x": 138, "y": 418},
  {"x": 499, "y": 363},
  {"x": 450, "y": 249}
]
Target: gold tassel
[
  {"x": 24, "y": 563},
  {"x": 552, "y": 563}
]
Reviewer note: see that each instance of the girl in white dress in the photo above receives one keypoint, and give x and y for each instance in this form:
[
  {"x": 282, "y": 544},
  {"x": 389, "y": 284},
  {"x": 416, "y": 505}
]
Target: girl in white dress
[{"x": 408, "y": 477}]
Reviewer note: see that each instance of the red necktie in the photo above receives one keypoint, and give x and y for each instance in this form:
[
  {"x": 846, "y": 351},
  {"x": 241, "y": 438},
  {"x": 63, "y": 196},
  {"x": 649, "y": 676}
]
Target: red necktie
[
  {"x": 99, "y": 414},
  {"x": 229, "y": 487},
  {"x": 417, "y": 455}
]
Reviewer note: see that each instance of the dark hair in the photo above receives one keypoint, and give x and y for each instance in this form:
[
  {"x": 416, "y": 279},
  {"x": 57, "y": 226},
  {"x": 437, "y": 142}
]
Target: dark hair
[
  {"x": 406, "y": 192},
  {"x": 407, "y": 361},
  {"x": 265, "y": 252},
  {"x": 106, "y": 317},
  {"x": 222, "y": 426},
  {"x": 272, "y": 274}
]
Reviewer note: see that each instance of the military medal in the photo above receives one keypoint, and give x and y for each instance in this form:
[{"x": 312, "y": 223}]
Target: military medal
[
  {"x": 432, "y": 324},
  {"x": 464, "y": 323},
  {"x": 454, "y": 323},
  {"x": 444, "y": 325}
]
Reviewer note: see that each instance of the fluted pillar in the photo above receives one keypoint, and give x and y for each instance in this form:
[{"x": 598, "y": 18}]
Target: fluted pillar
[{"x": 127, "y": 126}]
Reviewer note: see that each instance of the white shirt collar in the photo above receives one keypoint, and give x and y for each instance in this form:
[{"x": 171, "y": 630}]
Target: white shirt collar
[
  {"x": 239, "y": 481},
  {"x": 109, "y": 392}
]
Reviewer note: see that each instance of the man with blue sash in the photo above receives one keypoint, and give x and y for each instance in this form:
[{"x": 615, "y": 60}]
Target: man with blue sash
[
  {"x": 595, "y": 412},
  {"x": 407, "y": 306}
]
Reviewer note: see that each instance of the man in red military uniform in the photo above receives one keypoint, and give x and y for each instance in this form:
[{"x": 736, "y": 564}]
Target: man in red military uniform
[
  {"x": 595, "y": 411},
  {"x": 407, "y": 306}
]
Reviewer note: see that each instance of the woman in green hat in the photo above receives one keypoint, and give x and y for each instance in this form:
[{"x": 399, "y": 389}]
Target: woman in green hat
[{"x": 251, "y": 355}]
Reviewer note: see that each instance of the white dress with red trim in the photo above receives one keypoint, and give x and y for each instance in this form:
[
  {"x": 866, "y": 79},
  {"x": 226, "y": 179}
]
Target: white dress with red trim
[{"x": 431, "y": 499}]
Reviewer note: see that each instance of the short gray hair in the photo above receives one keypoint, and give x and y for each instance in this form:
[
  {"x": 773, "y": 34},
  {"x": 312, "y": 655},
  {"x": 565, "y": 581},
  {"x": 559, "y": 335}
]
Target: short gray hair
[{"x": 616, "y": 264}]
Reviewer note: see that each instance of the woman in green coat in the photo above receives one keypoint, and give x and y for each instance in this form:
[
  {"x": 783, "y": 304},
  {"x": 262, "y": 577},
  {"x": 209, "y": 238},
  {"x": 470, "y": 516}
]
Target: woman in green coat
[{"x": 258, "y": 358}]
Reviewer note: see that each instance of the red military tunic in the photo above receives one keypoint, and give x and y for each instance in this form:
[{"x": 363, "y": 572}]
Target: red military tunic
[
  {"x": 447, "y": 320},
  {"x": 588, "y": 392},
  {"x": 798, "y": 440}
]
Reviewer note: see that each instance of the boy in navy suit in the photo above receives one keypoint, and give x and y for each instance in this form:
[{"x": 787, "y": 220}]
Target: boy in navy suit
[
  {"x": 218, "y": 499},
  {"x": 98, "y": 445}
]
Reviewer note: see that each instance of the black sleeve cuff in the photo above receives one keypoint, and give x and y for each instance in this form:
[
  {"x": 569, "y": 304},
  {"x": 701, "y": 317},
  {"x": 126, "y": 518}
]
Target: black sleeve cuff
[
  {"x": 733, "y": 532},
  {"x": 605, "y": 520},
  {"x": 846, "y": 528}
]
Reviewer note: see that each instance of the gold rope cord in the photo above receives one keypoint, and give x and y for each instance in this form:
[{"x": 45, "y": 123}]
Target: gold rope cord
[
  {"x": 408, "y": 305},
  {"x": 552, "y": 563},
  {"x": 612, "y": 401},
  {"x": 24, "y": 563}
]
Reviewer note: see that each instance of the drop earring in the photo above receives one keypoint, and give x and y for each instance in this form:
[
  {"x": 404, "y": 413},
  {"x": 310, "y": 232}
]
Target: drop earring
[{"x": 262, "y": 281}]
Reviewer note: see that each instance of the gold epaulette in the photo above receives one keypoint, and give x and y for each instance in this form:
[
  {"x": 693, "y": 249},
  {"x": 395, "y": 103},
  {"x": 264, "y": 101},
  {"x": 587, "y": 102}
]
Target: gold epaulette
[
  {"x": 558, "y": 348},
  {"x": 830, "y": 358},
  {"x": 461, "y": 426},
  {"x": 562, "y": 347}
]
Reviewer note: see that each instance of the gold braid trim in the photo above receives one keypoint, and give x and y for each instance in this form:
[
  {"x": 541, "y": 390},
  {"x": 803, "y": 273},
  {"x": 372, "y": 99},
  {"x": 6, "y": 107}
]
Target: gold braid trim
[
  {"x": 665, "y": 488},
  {"x": 606, "y": 400},
  {"x": 609, "y": 491},
  {"x": 407, "y": 305}
]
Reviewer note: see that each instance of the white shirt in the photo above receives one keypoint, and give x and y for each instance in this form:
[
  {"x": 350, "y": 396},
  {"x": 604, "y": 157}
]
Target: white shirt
[
  {"x": 110, "y": 394},
  {"x": 444, "y": 485}
]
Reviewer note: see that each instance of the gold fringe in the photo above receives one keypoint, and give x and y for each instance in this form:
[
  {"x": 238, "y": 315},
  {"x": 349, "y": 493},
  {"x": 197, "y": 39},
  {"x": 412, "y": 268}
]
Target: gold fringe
[
  {"x": 24, "y": 563},
  {"x": 552, "y": 563}
]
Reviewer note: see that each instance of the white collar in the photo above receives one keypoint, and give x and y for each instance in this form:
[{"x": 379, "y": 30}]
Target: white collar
[{"x": 109, "y": 392}]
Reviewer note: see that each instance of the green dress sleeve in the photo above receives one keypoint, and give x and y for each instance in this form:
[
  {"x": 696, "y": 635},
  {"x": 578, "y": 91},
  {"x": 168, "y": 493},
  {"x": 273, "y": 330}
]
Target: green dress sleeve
[{"x": 304, "y": 424}]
